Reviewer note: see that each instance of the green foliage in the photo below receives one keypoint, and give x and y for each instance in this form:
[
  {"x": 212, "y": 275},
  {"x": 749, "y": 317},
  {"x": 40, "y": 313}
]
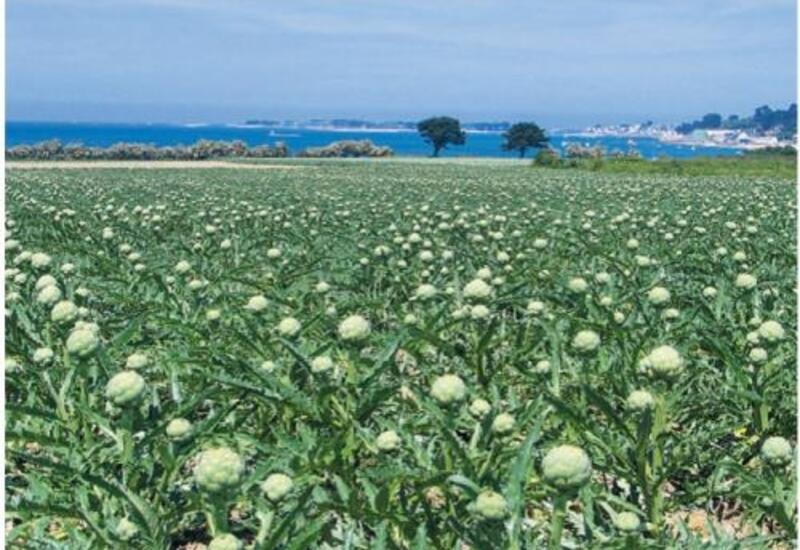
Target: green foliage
[
  {"x": 201, "y": 150},
  {"x": 440, "y": 132},
  {"x": 523, "y": 136},
  {"x": 162, "y": 265},
  {"x": 788, "y": 151},
  {"x": 548, "y": 158},
  {"x": 764, "y": 119},
  {"x": 782, "y": 165}
]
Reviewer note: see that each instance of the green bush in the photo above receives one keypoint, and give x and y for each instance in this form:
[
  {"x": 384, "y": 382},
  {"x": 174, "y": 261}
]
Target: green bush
[{"x": 548, "y": 158}]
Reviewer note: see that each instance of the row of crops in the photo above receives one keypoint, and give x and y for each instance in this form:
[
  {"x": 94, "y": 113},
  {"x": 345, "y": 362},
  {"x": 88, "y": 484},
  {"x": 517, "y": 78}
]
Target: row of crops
[{"x": 401, "y": 356}]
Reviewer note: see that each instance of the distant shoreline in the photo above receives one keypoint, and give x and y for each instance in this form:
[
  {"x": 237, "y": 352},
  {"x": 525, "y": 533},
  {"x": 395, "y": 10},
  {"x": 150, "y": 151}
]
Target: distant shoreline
[
  {"x": 284, "y": 129},
  {"x": 403, "y": 141}
]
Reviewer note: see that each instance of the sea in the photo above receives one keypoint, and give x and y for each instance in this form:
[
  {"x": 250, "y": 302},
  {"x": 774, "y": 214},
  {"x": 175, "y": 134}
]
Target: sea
[{"x": 403, "y": 143}]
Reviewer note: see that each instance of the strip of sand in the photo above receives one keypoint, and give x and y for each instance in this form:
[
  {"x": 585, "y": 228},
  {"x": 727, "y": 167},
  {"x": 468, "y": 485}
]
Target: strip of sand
[{"x": 148, "y": 164}]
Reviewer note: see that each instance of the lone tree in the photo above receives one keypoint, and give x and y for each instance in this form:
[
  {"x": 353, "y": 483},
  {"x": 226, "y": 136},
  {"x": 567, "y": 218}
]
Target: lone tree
[
  {"x": 523, "y": 136},
  {"x": 440, "y": 131}
]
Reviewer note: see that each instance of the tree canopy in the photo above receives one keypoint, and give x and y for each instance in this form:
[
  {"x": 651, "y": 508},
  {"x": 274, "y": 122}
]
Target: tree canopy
[
  {"x": 783, "y": 122},
  {"x": 523, "y": 136},
  {"x": 440, "y": 132}
]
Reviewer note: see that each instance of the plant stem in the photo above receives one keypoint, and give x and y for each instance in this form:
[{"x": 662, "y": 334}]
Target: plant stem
[
  {"x": 557, "y": 521},
  {"x": 217, "y": 516},
  {"x": 265, "y": 521},
  {"x": 762, "y": 418},
  {"x": 760, "y": 408},
  {"x": 656, "y": 503},
  {"x": 450, "y": 427},
  {"x": 555, "y": 366}
]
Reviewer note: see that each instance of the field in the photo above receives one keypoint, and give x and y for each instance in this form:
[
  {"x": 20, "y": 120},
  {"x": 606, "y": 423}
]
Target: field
[{"x": 399, "y": 355}]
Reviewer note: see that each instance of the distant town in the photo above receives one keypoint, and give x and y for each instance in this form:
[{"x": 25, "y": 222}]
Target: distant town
[
  {"x": 743, "y": 139},
  {"x": 767, "y": 127}
]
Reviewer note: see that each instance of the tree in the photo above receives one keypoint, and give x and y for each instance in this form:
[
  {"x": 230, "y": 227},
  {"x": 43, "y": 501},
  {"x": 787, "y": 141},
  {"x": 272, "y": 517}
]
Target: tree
[
  {"x": 523, "y": 136},
  {"x": 440, "y": 131},
  {"x": 711, "y": 121}
]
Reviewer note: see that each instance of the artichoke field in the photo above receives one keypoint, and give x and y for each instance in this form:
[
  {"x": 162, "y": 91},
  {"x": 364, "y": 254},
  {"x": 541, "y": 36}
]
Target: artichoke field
[{"x": 399, "y": 355}]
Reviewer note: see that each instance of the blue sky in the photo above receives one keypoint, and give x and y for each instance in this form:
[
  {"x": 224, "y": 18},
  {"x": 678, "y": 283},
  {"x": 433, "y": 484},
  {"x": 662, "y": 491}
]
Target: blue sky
[{"x": 569, "y": 62}]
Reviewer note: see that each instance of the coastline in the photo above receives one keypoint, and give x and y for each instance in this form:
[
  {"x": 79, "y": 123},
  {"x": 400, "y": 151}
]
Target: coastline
[
  {"x": 715, "y": 140},
  {"x": 404, "y": 142}
]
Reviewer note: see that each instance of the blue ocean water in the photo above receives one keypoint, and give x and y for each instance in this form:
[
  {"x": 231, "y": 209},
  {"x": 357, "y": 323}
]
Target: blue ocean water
[{"x": 403, "y": 143}]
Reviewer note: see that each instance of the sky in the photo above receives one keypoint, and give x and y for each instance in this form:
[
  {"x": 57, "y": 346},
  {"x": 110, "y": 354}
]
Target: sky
[{"x": 560, "y": 63}]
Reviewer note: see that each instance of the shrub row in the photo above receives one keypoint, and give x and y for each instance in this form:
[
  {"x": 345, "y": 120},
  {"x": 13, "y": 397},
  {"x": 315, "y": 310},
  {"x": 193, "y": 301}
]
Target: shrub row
[
  {"x": 202, "y": 149},
  {"x": 347, "y": 148}
]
